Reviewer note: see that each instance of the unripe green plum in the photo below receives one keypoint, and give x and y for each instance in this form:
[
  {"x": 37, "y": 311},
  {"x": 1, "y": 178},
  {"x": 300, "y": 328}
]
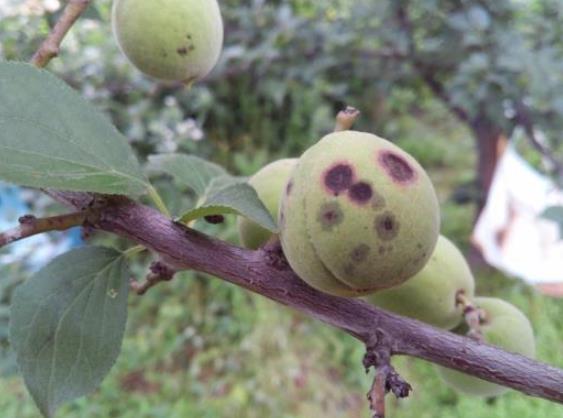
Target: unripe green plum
[
  {"x": 505, "y": 326},
  {"x": 270, "y": 183},
  {"x": 359, "y": 215},
  {"x": 176, "y": 40},
  {"x": 431, "y": 295}
]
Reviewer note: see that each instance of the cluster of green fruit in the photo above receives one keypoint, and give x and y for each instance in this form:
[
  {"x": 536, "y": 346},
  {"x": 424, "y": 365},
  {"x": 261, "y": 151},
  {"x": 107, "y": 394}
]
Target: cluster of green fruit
[{"x": 358, "y": 216}]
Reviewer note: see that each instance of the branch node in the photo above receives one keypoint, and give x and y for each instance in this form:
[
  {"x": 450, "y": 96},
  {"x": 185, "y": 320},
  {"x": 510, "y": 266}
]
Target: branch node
[
  {"x": 473, "y": 316},
  {"x": 158, "y": 272},
  {"x": 273, "y": 254},
  {"x": 27, "y": 220},
  {"x": 378, "y": 356}
]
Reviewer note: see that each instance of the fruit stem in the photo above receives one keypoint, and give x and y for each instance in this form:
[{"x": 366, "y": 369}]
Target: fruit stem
[
  {"x": 472, "y": 314},
  {"x": 346, "y": 118}
]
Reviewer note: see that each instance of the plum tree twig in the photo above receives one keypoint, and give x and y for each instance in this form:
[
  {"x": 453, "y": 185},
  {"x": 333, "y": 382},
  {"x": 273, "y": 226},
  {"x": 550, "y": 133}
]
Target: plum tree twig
[
  {"x": 259, "y": 271},
  {"x": 51, "y": 45},
  {"x": 29, "y": 225}
]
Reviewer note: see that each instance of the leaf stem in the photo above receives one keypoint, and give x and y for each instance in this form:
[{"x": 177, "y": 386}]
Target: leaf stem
[
  {"x": 130, "y": 252},
  {"x": 155, "y": 197}
]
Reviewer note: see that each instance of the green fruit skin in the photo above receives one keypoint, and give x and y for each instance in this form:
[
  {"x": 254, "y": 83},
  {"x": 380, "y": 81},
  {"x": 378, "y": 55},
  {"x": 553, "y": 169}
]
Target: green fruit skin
[
  {"x": 349, "y": 243},
  {"x": 175, "y": 40},
  {"x": 269, "y": 183},
  {"x": 430, "y": 295},
  {"x": 506, "y": 327}
]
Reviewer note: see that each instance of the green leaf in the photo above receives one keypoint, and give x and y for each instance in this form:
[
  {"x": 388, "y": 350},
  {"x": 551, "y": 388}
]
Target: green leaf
[
  {"x": 555, "y": 214},
  {"x": 51, "y": 137},
  {"x": 67, "y": 324},
  {"x": 219, "y": 192},
  {"x": 229, "y": 195},
  {"x": 193, "y": 172}
]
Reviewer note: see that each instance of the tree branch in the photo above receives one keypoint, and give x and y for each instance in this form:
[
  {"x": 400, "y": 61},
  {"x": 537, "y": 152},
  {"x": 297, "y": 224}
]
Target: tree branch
[
  {"x": 184, "y": 248},
  {"x": 426, "y": 72},
  {"x": 50, "y": 47},
  {"x": 30, "y": 225},
  {"x": 524, "y": 119}
]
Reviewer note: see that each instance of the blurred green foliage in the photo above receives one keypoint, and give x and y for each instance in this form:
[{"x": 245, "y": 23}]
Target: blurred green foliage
[{"x": 199, "y": 347}]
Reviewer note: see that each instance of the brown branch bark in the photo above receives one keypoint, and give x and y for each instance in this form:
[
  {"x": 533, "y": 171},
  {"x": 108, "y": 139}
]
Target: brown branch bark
[
  {"x": 184, "y": 248},
  {"x": 51, "y": 45},
  {"x": 524, "y": 119}
]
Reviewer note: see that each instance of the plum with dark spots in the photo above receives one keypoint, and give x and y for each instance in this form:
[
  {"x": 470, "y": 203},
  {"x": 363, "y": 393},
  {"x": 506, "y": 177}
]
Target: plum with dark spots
[
  {"x": 360, "y": 192},
  {"x": 330, "y": 215},
  {"x": 191, "y": 31},
  {"x": 339, "y": 178},
  {"x": 431, "y": 295},
  {"x": 345, "y": 206},
  {"x": 507, "y": 328},
  {"x": 386, "y": 226},
  {"x": 397, "y": 167},
  {"x": 360, "y": 253}
]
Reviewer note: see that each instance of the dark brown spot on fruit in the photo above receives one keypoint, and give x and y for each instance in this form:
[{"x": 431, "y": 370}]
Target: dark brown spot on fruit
[
  {"x": 360, "y": 253},
  {"x": 288, "y": 188},
  {"x": 182, "y": 51},
  {"x": 377, "y": 201},
  {"x": 381, "y": 250},
  {"x": 349, "y": 269},
  {"x": 360, "y": 192},
  {"x": 330, "y": 215},
  {"x": 397, "y": 167},
  {"x": 386, "y": 226},
  {"x": 338, "y": 178}
]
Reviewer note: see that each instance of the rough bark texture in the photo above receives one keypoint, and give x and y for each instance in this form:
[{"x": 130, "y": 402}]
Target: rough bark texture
[
  {"x": 488, "y": 139},
  {"x": 263, "y": 273}
]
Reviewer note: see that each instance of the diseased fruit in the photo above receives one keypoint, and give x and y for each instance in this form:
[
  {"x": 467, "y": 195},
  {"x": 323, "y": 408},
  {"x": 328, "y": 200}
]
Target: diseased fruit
[
  {"x": 431, "y": 295},
  {"x": 505, "y": 326},
  {"x": 270, "y": 183},
  {"x": 176, "y": 40},
  {"x": 359, "y": 215}
]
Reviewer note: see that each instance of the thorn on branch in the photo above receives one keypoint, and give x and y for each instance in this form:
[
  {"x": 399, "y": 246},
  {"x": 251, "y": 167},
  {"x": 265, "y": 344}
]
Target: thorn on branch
[
  {"x": 378, "y": 356},
  {"x": 158, "y": 272},
  {"x": 346, "y": 119}
]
